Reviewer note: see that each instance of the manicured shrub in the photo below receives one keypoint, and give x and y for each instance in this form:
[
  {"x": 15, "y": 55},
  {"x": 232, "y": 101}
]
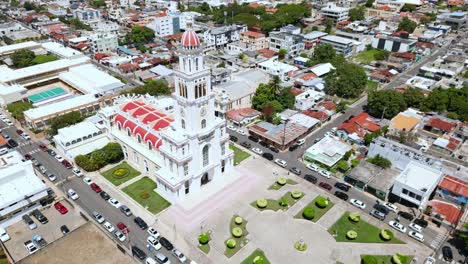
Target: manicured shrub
[
  {"x": 354, "y": 217},
  {"x": 368, "y": 260},
  {"x": 296, "y": 194},
  {"x": 204, "y": 238},
  {"x": 262, "y": 203},
  {"x": 231, "y": 243},
  {"x": 308, "y": 213},
  {"x": 386, "y": 234},
  {"x": 283, "y": 202},
  {"x": 237, "y": 232},
  {"x": 321, "y": 202},
  {"x": 258, "y": 260},
  {"x": 144, "y": 195},
  {"x": 351, "y": 234},
  {"x": 300, "y": 246},
  {"x": 238, "y": 220},
  {"x": 397, "y": 259},
  {"x": 281, "y": 180},
  {"x": 120, "y": 173}
]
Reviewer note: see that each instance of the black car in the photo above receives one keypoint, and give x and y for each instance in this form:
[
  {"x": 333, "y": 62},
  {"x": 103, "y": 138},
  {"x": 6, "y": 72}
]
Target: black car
[
  {"x": 64, "y": 229},
  {"x": 12, "y": 143},
  {"x": 263, "y": 143},
  {"x": 254, "y": 139},
  {"x": 39, "y": 216},
  {"x": 342, "y": 186},
  {"x": 51, "y": 152},
  {"x": 382, "y": 208},
  {"x": 246, "y": 144},
  {"x": 104, "y": 195},
  {"x": 275, "y": 150},
  {"x": 406, "y": 215},
  {"x": 165, "y": 243},
  {"x": 421, "y": 222},
  {"x": 293, "y": 147},
  {"x": 141, "y": 223},
  {"x": 317, "y": 140},
  {"x": 447, "y": 253},
  {"x": 310, "y": 178},
  {"x": 295, "y": 170},
  {"x": 137, "y": 252},
  {"x": 343, "y": 196},
  {"x": 233, "y": 138},
  {"x": 267, "y": 156}
]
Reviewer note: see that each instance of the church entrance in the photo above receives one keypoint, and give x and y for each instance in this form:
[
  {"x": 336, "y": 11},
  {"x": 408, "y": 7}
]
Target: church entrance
[
  {"x": 187, "y": 187},
  {"x": 205, "y": 179}
]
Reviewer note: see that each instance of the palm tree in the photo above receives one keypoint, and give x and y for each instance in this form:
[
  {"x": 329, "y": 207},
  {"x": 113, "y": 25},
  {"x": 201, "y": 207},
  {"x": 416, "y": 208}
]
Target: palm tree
[{"x": 275, "y": 85}]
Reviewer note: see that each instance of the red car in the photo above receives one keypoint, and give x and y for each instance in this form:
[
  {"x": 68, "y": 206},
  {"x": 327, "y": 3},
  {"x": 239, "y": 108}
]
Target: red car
[
  {"x": 19, "y": 132},
  {"x": 96, "y": 187},
  {"x": 67, "y": 164},
  {"x": 122, "y": 227},
  {"x": 43, "y": 147},
  {"x": 325, "y": 185},
  {"x": 27, "y": 156},
  {"x": 61, "y": 208}
]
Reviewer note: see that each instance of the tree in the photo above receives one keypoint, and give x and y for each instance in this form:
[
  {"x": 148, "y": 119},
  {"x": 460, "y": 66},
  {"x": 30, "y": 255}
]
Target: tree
[
  {"x": 152, "y": 87},
  {"x": 341, "y": 106},
  {"x": 22, "y": 58},
  {"x": 381, "y": 54},
  {"x": 64, "y": 121},
  {"x": 282, "y": 53},
  {"x": 328, "y": 26},
  {"x": 380, "y": 161},
  {"x": 139, "y": 34},
  {"x": 323, "y": 53},
  {"x": 17, "y": 109},
  {"x": 408, "y": 8},
  {"x": 414, "y": 97},
  {"x": 369, "y": 3},
  {"x": 342, "y": 165},
  {"x": 385, "y": 102},
  {"x": 407, "y": 25},
  {"x": 181, "y": 6},
  {"x": 98, "y": 3},
  {"x": 268, "y": 112},
  {"x": 14, "y": 3},
  {"x": 357, "y": 13},
  {"x": 348, "y": 81}
]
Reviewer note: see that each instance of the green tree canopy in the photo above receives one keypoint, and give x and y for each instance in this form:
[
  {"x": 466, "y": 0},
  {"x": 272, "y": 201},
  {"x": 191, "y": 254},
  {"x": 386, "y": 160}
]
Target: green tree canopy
[
  {"x": 22, "y": 58},
  {"x": 385, "y": 102},
  {"x": 272, "y": 98},
  {"x": 139, "y": 34},
  {"x": 414, "y": 97},
  {"x": 380, "y": 161},
  {"x": 282, "y": 53},
  {"x": 369, "y": 3},
  {"x": 348, "y": 81},
  {"x": 407, "y": 24},
  {"x": 64, "y": 121},
  {"x": 357, "y": 13},
  {"x": 152, "y": 87},
  {"x": 323, "y": 53}
]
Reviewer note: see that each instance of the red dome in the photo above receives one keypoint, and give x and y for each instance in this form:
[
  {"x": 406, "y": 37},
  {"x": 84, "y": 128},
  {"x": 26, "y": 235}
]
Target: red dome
[{"x": 190, "y": 39}]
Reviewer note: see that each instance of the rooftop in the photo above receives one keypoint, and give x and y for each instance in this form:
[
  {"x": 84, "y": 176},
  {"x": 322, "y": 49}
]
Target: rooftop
[
  {"x": 336, "y": 39},
  {"x": 455, "y": 185},
  {"x": 60, "y": 50},
  {"x": 327, "y": 151},
  {"x": 278, "y": 133},
  {"x": 90, "y": 80},
  {"x": 419, "y": 176},
  {"x": 374, "y": 175},
  {"x": 77, "y": 131},
  {"x": 61, "y": 106},
  {"x": 403, "y": 121}
]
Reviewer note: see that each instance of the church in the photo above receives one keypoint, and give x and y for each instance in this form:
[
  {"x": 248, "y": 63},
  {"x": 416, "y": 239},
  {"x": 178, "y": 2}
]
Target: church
[{"x": 177, "y": 141}]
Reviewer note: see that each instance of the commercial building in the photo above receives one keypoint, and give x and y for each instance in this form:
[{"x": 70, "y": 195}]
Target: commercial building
[
  {"x": 103, "y": 42},
  {"x": 328, "y": 151},
  {"x": 220, "y": 36},
  {"x": 342, "y": 45},
  {"x": 165, "y": 25},
  {"x": 87, "y": 15},
  {"x": 334, "y": 13},
  {"x": 280, "y": 136},
  {"x": 313, "y": 38},
  {"x": 393, "y": 44},
  {"x": 292, "y": 43},
  {"x": 453, "y": 189},
  {"x": 21, "y": 190},
  {"x": 277, "y": 68},
  {"x": 456, "y": 20},
  {"x": 253, "y": 41}
]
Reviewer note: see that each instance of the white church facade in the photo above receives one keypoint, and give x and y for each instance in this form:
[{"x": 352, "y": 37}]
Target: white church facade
[{"x": 177, "y": 141}]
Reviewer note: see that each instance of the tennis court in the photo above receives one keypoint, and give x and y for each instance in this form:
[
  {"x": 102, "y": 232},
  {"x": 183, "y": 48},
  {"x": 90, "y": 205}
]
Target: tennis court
[{"x": 46, "y": 95}]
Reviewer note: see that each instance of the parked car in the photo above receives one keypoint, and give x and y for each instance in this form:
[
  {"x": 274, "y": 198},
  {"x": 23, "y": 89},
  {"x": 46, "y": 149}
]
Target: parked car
[
  {"x": 406, "y": 215},
  {"x": 293, "y": 147},
  {"x": 120, "y": 236},
  {"x": 161, "y": 259},
  {"x": 301, "y": 142},
  {"x": 140, "y": 223},
  {"x": 391, "y": 207},
  {"x": 343, "y": 196},
  {"x": 19, "y": 132},
  {"x": 51, "y": 152},
  {"x": 377, "y": 214},
  {"x": 398, "y": 226},
  {"x": 43, "y": 147},
  {"x": 310, "y": 178},
  {"x": 382, "y": 208},
  {"x": 39, "y": 216},
  {"x": 246, "y": 144},
  {"x": 12, "y": 143},
  {"x": 179, "y": 255},
  {"x": 254, "y": 139},
  {"x": 25, "y": 136},
  {"x": 64, "y": 229},
  {"x": 429, "y": 260},
  {"x": 27, "y": 156},
  {"x": 421, "y": 222},
  {"x": 416, "y": 235},
  {"x": 152, "y": 241},
  {"x": 295, "y": 170},
  {"x": 67, "y": 164},
  {"x": 241, "y": 132},
  {"x": 263, "y": 143},
  {"x": 95, "y": 187},
  {"x": 114, "y": 202},
  {"x": 104, "y": 195},
  {"x": 325, "y": 185},
  {"x": 342, "y": 186},
  {"x": 77, "y": 172},
  {"x": 358, "y": 203},
  {"x": 415, "y": 227},
  {"x": 124, "y": 209},
  {"x": 268, "y": 156},
  {"x": 108, "y": 226},
  {"x": 99, "y": 218},
  {"x": 325, "y": 174},
  {"x": 233, "y": 138},
  {"x": 72, "y": 194},
  {"x": 275, "y": 150},
  {"x": 3, "y": 151},
  {"x": 4, "y": 237},
  {"x": 231, "y": 127},
  {"x": 59, "y": 158},
  {"x": 166, "y": 243},
  {"x": 137, "y": 252},
  {"x": 30, "y": 247},
  {"x": 51, "y": 176},
  {"x": 39, "y": 241},
  {"x": 122, "y": 227},
  {"x": 313, "y": 167},
  {"x": 60, "y": 208},
  {"x": 153, "y": 232},
  {"x": 29, "y": 222},
  {"x": 87, "y": 180},
  {"x": 42, "y": 169},
  {"x": 257, "y": 150},
  {"x": 447, "y": 253},
  {"x": 281, "y": 163}
]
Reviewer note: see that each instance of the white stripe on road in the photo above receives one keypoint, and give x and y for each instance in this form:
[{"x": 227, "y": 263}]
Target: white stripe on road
[{"x": 437, "y": 241}]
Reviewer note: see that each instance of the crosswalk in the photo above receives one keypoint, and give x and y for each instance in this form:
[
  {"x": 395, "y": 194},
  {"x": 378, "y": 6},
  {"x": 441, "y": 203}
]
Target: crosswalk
[{"x": 437, "y": 241}]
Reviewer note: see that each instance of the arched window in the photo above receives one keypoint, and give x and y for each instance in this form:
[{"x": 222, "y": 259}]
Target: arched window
[
  {"x": 139, "y": 138},
  {"x": 196, "y": 91},
  {"x": 128, "y": 132},
  {"x": 206, "y": 158},
  {"x": 150, "y": 146},
  {"x": 119, "y": 126},
  {"x": 196, "y": 64},
  {"x": 203, "y": 123},
  {"x": 182, "y": 123},
  {"x": 204, "y": 89}
]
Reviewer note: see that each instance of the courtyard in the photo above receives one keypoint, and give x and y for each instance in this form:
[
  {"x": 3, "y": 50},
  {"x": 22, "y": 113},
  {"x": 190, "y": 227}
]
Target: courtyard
[
  {"x": 120, "y": 173},
  {"x": 142, "y": 191}
]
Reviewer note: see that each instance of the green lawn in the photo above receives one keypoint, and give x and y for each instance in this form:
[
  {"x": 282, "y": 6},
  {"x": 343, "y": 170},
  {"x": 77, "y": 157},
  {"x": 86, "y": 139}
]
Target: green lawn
[
  {"x": 39, "y": 59},
  {"x": 239, "y": 154},
  {"x": 205, "y": 248},
  {"x": 388, "y": 259},
  {"x": 274, "y": 204},
  {"x": 277, "y": 186},
  {"x": 240, "y": 241},
  {"x": 371, "y": 85},
  {"x": 367, "y": 56},
  {"x": 3, "y": 258},
  {"x": 111, "y": 176},
  {"x": 143, "y": 192},
  {"x": 367, "y": 233},
  {"x": 319, "y": 212},
  {"x": 257, "y": 252}
]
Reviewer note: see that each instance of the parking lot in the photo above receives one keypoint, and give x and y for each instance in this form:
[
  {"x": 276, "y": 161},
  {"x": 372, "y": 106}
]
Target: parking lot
[{"x": 50, "y": 231}]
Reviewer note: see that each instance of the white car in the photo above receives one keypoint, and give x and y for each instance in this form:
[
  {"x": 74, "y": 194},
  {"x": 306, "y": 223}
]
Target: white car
[
  {"x": 281, "y": 163},
  {"x": 241, "y": 132},
  {"x": 231, "y": 127},
  {"x": 328, "y": 134},
  {"x": 51, "y": 177},
  {"x": 77, "y": 172},
  {"x": 325, "y": 173},
  {"x": 58, "y": 157},
  {"x": 301, "y": 142},
  {"x": 4, "y": 237},
  {"x": 313, "y": 167},
  {"x": 391, "y": 207},
  {"x": 415, "y": 227},
  {"x": 153, "y": 232},
  {"x": 24, "y": 135},
  {"x": 179, "y": 255},
  {"x": 109, "y": 227},
  {"x": 120, "y": 236},
  {"x": 358, "y": 203},
  {"x": 397, "y": 226},
  {"x": 416, "y": 235},
  {"x": 429, "y": 260},
  {"x": 99, "y": 218},
  {"x": 114, "y": 202},
  {"x": 30, "y": 247},
  {"x": 8, "y": 122},
  {"x": 87, "y": 180},
  {"x": 152, "y": 241},
  {"x": 257, "y": 150},
  {"x": 160, "y": 258},
  {"x": 72, "y": 194},
  {"x": 333, "y": 129}
]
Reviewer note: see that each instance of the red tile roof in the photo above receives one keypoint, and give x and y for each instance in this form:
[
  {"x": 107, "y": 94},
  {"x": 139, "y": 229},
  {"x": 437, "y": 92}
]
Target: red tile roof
[
  {"x": 267, "y": 53},
  {"x": 454, "y": 185},
  {"x": 453, "y": 144},
  {"x": 360, "y": 124},
  {"x": 441, "y": 124},
  {"x": 450, "y": 211},
  {"x": 253, "y": 34},
  {"x": 296, "y": 91},
  {"x": 239, "y": 114},
  {"x": 329, "y": 105},
  {"x": 320, "y": 115},
  {"x": 404, "y": 55},
  {"x": 308, "y": 76}
]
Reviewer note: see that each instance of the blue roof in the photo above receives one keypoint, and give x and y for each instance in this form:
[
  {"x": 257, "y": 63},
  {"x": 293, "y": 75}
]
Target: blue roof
[
  {"x": 458, "y": 13},
  {"x": 126, "y": 51}
]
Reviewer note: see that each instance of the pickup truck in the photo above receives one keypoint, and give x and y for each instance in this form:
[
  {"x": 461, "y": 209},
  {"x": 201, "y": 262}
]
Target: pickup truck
[{"x": 40, "y": 242}]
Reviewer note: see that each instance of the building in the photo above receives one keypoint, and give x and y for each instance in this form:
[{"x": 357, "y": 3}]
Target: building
[
  {"x": 177, "y": 141},
  {"x": 220, "y": 36},
  {"x": 291, "y": 29},
  {"x": 277, "y": 68},
  {"x": 357, "y": 127},
  {"x": 253, "y": 41},
  {"x": 313, "y": 38},
  {"x": 280, "y": 136},
  {"x": 292, "y": 43},
  {"x": 308, "y": 99},
  {"x": 328, "y": 151},
  {"x": 165, "y": 25},
  {"x": 440, "y": 126},
  {"x": 416, "y": 183},
  {"x": 456, "y": 20},
  {"x": 334, "y": 13},
  {"x": 342, "y": 45},
  {"x": 394, "y": 44},
  {"x": 103, "y": 42},
  {"x": 21, "y": 189},
  {"x": 453, "y": 189},
  {"x": 79, "y": 139},
  {"x": 242, "y": 116},
  {"x": 407, "y": 122},
  {"x": 87, "y": 15},
  {"x": 57, "y": 10},
  {"x": 8, "y": 28}
]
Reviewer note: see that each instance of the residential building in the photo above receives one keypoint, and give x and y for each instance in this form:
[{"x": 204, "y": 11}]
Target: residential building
[
  {"x": 308, "y": 99},
  {"x": 103, "y": 42},
  {"x": 407, "y": 121},
  {"x": 328, "y": 151},
  {"x": 457, "y": 20},
  {"x": 345, "y": 46},
  {"x": 394, "y": 44},
  {"x": 440, "y": 126},
  {"x": 220, "y": 36},
  {"x": 277, "y": 68},
  {"x": 87, "y": 15},
  {"x": 416, "y": 183},
  {"x": 334, "y": 13},
  {"x": 57, "y": 10},
  {"x": 357, "y": 127},
  {"x": 453, "y": 189},
  {"x": 22, "y": 190},
  {"x": 292, "y": 43},
  {"x": 165, "y": 25},
  {"x": 253, "y": 41},
  {"x": 291, "y": 29},
  {"x": 10, "y": 27},
  {"x": 242, "y": 116},
  {"x": 313, "y": 38},
  {"x": 280, "y": 136}
]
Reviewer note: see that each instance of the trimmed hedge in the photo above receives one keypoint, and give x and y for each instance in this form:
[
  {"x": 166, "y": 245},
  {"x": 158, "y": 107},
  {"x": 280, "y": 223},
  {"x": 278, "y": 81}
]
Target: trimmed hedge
[
  {"x": 281, "y": 180},
  {"x": 296, "y": 194},
  {"x": 397, "y": 259},
  {"x": 351, "y": 234},
  {"x": 258, "y": 260},
  {"x": 368, "y": 260},
  {"x": 354, "y": 217},
  {"x": 321, "y": 202},
  {"x": 231, "y": 243},
  {"x": 386, "y": 234},
  {"x": 237, "y": 232},
  {"x": 204, "y": 238},
  {"x": 238, "y": 220},
  {"x": 308, "y": 213},
  {"x": 262, "y": 203},
  {"x": 110, "y": 153},
  {"x": 283, "y": 202}
]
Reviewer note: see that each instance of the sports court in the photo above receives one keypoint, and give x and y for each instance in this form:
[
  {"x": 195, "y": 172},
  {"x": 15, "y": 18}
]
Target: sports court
[{"x": 48, "y": 96}]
